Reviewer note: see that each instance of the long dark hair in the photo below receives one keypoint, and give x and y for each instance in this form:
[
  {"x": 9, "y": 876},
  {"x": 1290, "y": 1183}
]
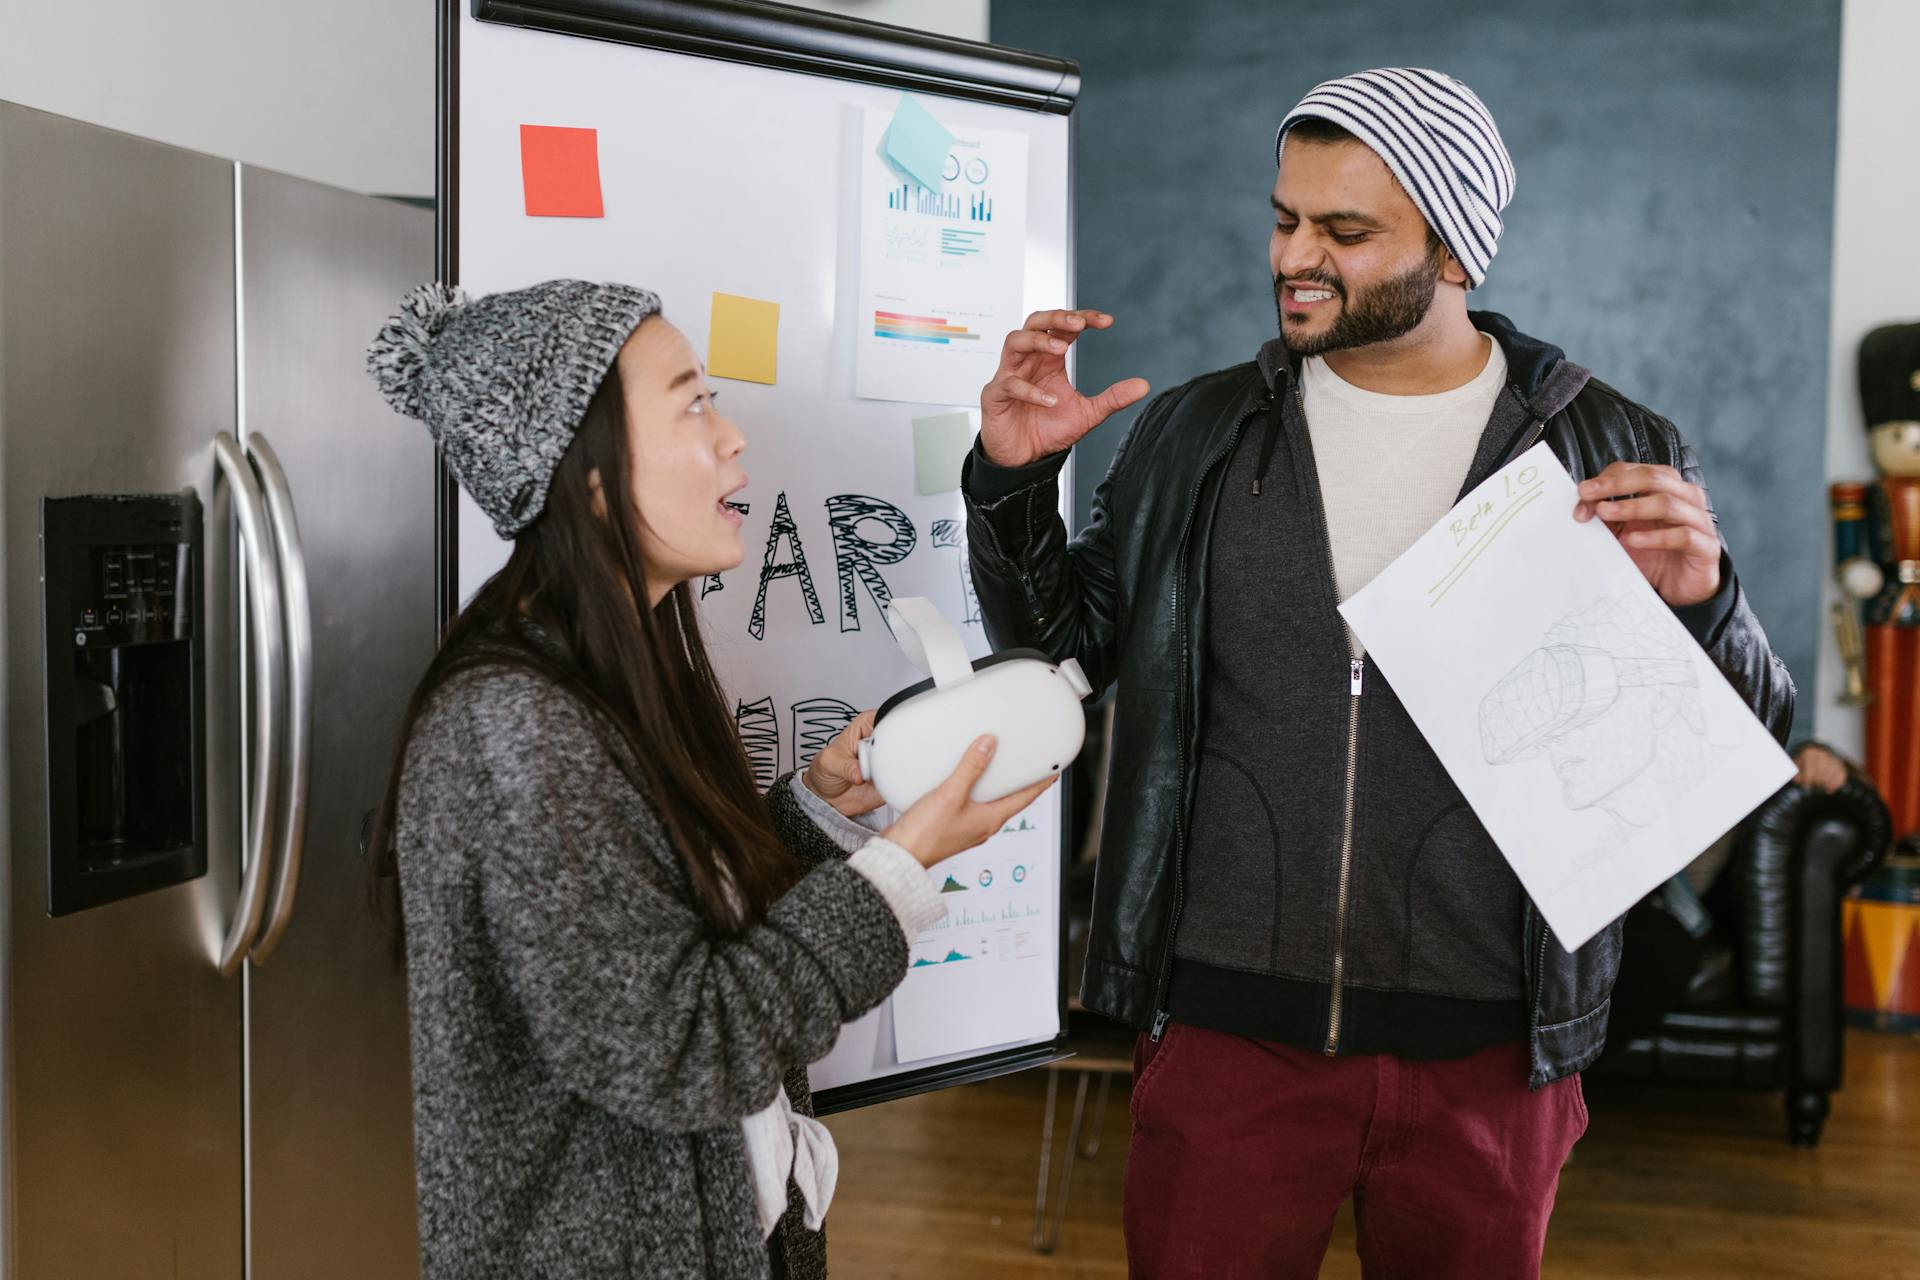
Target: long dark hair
[{"x": 643, "y": 670}]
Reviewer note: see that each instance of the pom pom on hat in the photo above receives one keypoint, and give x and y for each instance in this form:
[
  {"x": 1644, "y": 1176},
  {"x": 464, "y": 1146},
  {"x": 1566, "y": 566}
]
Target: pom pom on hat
[{"x": 397, "y": 357}]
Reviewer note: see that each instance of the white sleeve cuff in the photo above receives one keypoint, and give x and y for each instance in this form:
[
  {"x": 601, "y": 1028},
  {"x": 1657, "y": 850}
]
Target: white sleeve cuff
[
  {"x": 903, "y": 882},
  {"x": 782, "y": 1143},
  {"x": 848, "y": 833},
  {"x": 769, "y": 1142}
]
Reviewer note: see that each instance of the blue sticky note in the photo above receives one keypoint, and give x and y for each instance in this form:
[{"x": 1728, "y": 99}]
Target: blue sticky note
[{"x": 918, "y": 143}]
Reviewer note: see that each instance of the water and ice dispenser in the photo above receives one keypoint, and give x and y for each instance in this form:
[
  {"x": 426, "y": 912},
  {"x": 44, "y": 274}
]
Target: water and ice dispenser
[{"x": 125, "y": 678}]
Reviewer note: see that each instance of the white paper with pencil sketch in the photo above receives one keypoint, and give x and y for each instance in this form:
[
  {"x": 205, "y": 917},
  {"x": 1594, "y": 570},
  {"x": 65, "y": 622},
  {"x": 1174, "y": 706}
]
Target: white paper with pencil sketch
[{"x": 1595, "y": 740}]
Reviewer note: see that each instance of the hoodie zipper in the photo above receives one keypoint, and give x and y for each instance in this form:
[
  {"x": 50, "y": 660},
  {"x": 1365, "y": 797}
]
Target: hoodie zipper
[
  {"x": 1180, "y": 812},
  {"x": 1532, "y": 437},
  {"x": 1356, "y": 671},
  {"x": 1356, "y": 684}
]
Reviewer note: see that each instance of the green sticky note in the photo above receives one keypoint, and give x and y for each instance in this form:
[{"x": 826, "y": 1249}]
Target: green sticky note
[
  {"x": 940, "y": 445},
  {"x": 918, "y": 143},
  {"x": 742, "y": 338}
]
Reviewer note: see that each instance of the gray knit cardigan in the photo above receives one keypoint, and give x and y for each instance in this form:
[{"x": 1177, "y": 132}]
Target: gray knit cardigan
[{"x": 584, "y": 1046}]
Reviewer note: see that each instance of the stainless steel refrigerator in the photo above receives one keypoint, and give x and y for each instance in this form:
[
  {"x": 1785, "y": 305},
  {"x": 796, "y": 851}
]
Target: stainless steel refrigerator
[{"x": 219, "y": 590}]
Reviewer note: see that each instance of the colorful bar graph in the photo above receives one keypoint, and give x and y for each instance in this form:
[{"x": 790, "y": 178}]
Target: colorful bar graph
[{"x": 892, "y": 324}]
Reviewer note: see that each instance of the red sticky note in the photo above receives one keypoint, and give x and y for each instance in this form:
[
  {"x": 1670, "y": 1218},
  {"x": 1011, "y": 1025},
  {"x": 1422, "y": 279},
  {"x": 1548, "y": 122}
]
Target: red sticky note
[{"x": 561, "y": 171}]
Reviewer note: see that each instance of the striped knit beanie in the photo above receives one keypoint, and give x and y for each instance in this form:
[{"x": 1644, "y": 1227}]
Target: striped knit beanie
[
  {"x": 503, "y": 381},
  {"x": 1438, "y": 139}
]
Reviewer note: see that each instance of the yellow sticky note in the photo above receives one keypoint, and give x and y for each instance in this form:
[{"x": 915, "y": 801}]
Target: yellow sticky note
[{"x": 742, "y": 337}]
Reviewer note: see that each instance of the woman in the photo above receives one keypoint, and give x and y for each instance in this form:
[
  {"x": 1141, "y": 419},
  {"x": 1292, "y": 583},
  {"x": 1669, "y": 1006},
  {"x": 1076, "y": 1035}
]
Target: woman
[{"x": 617, "y": 949}]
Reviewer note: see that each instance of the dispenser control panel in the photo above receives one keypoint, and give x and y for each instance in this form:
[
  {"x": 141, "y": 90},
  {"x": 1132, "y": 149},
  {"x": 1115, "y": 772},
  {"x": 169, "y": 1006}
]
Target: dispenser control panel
[
  {"x": 134, "y": 593},
  {"x": 125, "y": 696}
]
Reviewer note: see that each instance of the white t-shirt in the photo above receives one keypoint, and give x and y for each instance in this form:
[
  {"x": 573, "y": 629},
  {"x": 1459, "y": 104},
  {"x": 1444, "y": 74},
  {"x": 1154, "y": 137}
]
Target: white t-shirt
[{"x": 1390, "y": 465}]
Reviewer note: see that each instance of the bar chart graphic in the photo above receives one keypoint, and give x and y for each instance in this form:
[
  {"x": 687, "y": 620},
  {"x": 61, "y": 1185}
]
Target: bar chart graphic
[
  {"x": 1005, "y": 913},
  {"x": 975, "y": 206},
  {"x": 956, "y": 243},
  {"x": 906, "y": 198},
  {"x": 930, "y": 329}
]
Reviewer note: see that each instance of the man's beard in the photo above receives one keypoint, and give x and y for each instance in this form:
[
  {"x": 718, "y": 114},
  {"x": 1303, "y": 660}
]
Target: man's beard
[{"x": 1378, "y": 314}]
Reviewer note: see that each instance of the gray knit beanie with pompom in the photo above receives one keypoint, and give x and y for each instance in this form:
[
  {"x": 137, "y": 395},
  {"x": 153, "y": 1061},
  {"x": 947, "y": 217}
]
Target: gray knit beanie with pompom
[{"x": 503, "y": 381}]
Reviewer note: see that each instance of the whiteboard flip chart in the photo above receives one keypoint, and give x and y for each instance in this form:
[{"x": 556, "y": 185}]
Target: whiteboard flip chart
[
  {"x": 736, "y": 192},
  {"x": 1594, "y": 738}
]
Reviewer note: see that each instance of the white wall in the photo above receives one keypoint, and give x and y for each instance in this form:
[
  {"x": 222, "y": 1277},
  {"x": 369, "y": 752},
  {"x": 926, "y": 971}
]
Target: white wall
[
  {"x": 340, "y": 92},
  {"x": 1876, "y": 261}
]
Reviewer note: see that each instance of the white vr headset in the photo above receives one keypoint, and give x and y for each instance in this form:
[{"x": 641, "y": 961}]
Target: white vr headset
[{"x": 1030, "y": 703}]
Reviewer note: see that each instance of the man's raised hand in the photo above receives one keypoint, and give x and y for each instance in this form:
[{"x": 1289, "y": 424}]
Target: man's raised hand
[{"x": 1030, "y": 409}]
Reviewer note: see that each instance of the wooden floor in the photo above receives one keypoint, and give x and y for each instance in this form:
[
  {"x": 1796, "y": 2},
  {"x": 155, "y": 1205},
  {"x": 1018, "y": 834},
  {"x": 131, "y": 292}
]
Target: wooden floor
[{"x": 1666, "y": 1183}]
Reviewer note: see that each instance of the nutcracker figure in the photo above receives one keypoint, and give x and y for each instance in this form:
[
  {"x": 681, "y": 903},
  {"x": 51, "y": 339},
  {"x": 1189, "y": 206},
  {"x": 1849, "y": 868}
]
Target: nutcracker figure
[{"x": 1890, "y": 394}]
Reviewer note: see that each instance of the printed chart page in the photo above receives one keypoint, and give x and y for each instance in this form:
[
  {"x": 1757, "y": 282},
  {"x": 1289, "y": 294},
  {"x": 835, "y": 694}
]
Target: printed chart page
[
  {"x": 941, "y": 271},
  {"x": 987, "y": 974}
]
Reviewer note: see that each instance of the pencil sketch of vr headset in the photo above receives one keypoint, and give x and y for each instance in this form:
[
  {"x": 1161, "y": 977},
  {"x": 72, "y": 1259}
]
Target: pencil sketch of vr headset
[
  {"x": 1029, "y": 702},
  {"x": 1603, "y": 717}
]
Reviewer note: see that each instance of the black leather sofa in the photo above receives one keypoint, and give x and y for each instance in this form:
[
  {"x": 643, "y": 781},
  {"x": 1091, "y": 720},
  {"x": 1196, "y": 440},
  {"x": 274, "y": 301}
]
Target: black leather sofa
[{"x": 1755, "y": 1004}]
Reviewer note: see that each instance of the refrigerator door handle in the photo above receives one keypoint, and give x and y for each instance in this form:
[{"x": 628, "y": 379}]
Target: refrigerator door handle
[
  {"x": 269, "y": 695},
  {"x": 297, "y": 764}
]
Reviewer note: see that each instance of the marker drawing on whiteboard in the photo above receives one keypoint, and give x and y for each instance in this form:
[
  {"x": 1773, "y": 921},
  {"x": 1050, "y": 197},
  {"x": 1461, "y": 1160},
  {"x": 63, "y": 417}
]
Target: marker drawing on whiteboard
[
  {"x": 783, "y": 527},
  {"x": 953, "y": 533},
  {"x": 712, "y": 583},
  {"x": 815, "y": 722},
  {"x": 760, "y": 736},
  {"x": 856, "y": 555}
]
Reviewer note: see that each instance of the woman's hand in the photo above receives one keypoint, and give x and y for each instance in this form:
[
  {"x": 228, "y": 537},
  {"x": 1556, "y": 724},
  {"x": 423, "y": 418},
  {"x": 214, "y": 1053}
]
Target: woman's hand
[
  {"x": 945, "y": 821},
  {"x": 835, "y": 776}
]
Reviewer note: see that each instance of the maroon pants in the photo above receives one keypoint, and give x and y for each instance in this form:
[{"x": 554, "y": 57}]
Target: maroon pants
[{"x": 1244, "y": 1150}]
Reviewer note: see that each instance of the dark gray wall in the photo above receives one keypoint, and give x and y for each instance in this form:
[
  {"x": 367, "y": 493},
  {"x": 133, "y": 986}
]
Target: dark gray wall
[{"x": 1671, "y": 228}]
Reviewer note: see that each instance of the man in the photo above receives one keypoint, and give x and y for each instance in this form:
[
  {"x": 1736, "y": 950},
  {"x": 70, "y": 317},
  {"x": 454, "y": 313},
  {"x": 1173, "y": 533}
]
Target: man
[{"x": 1343, "y": 989}]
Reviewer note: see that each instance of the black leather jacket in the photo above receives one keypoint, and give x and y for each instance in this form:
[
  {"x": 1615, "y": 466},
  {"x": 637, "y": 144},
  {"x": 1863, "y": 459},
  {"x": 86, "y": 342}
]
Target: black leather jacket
[{"x": 1121, "y": 597}]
